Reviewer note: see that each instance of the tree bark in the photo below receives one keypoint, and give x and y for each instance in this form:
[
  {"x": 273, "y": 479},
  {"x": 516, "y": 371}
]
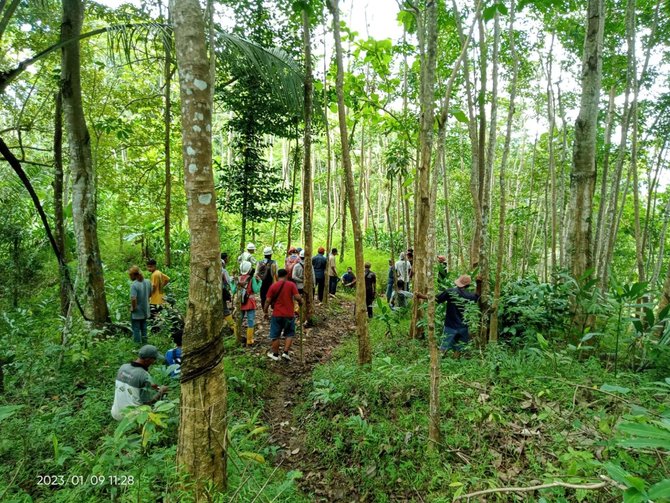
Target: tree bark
[
  {"x": 583, "y": 178},
  {"x": 364, "y": 350},
  {"x": 84, "y": 206},
  {"x": 493, "y": 327},
  {"x": 201, "y": 450},
  {"x": 307, "y": 170},
  {"x": 167, "y": 121},
  {"x": 59, "y": 218}
]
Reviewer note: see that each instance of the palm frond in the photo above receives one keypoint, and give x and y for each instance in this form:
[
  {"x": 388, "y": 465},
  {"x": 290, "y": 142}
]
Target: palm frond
[{"x": 268, "y": 63}]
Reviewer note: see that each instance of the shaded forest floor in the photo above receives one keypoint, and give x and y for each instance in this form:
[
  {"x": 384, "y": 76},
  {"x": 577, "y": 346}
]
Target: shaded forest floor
[{"x": 291, "y": 384}]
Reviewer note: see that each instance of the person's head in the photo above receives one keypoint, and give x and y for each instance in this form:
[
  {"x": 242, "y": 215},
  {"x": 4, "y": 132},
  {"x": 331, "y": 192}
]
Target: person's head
[
  {"x": 463, "y": 281},
  {"x": 177, "y": 337},
  {"x": 410, "y": 256},
  {"x": 441, "y": 259},
  {"x": 151, "y": 265},
  {"x": 292, "y": 250},
  {"x": 251, "y": 248},
  {"x": 334, "y": 251},
  {"x": 267, "y": 252},
  {"x": 322, "y": 250},
  {"x": 135, "y": 274},
  {"x": 401, "y": 284},
  {"x": 245, "y": 267},
  {"x": 282, "y": 274},
  {"x": 224, "y": 256},
  {"x": 403, "y": 256},
  {"x": 147, "y": 355},
  {"x": 368, "y": 265},
  {"x": 350, "y": 270},
  {"x": 302, "y": 254},
  {"x": 410, "y": 251}
]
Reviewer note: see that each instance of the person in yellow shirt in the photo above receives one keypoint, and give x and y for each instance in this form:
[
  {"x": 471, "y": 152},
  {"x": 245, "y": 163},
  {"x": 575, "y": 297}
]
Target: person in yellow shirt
[{"x": 158, "y": 283}]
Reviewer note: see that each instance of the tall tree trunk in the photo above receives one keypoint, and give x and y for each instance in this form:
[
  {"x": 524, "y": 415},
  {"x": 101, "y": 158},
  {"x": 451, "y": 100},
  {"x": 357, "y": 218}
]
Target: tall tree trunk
[
  {"x": 201, "y": 450},
  {"x": 329, "y": 234},
  {"x": 307, "y": 169},
  {"x": 583, "y": 179},
  {"x": 84, "y": 205},
  {"x": 296, "y": 153},
  {"x": 167, "y": 122},
  {"x": 364, "y": 350},
  {"x": 59, "y": 218},
  {"x": 493, "y": 328},
  {"x": 551, "y": 117},
  {"x": 345, "y": 198},
  {"x": 600, "y": 228}
]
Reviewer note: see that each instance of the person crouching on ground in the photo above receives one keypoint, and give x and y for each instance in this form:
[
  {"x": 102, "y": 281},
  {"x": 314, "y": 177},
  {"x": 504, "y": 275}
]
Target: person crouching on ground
[
  {"x": 133, "y": 383},
  {"x": 280, "y": 297},
  {"x": 456, "y": 333}
]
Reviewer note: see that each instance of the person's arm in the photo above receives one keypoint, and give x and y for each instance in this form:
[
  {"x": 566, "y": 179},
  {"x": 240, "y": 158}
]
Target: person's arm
[
  {"x": 154, "y": 283},
  {"x": 133, "y": 298},
  {"x": 478, "y": 290},
  {"x": 298, "y": 298},
  {"x": 256, "y": 284}
]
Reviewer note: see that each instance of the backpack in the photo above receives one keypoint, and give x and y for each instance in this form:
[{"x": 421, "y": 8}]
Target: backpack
[
  {"x": 291, "y": 261},
  {"x": 264, "y": 271},
  {"x": 244, "y": 291}
]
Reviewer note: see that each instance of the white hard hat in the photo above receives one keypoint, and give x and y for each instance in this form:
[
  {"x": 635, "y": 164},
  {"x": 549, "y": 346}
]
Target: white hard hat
[
  {"x": 251, "y": 246},
  {"x": 302, "y": 253},
  {"x": 267, "y": 251},
  {"x": 245, "y": 267}
]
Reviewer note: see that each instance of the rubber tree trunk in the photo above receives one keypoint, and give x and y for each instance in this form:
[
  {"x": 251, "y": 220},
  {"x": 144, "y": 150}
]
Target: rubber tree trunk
[
  {"x": 59, "y": 218},
  {"x": 307, "y": 169},
  {"x": 364, "y": 350},
  {"x": 167, "y": 121},
  {"x": 84, "y": 206},
  {"x": 493, "y": 327},
  {"x": 201, "y": 449},
  {"x": 583, "y": 178}
]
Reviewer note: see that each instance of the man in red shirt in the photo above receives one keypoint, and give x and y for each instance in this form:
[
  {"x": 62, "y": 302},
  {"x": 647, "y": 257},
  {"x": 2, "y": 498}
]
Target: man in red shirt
[{"x": 280, "y": 296}]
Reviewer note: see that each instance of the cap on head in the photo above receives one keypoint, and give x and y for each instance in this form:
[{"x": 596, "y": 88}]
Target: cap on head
[
  {"x": 368, "y": 265},
  {"x": 463, "y": 281},
  {"x": 251, "y": 247},
  {"x": 149, "y": 351},
  {"x": 267, "y": 250},
  {"x": 322, "y": 249},
  {"x": 292, "y": 250},
  {"x": 245, "y": 267},
  {"x": 402, "y": 255},
  {"x": 302, "y": 253}
]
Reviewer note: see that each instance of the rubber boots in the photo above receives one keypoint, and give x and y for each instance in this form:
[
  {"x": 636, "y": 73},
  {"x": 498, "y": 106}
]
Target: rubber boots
[{"x": 250, "y": 336}]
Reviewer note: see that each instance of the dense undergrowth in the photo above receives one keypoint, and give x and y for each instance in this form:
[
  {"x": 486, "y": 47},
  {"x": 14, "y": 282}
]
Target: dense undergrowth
[{"x": 509, "y": 417}]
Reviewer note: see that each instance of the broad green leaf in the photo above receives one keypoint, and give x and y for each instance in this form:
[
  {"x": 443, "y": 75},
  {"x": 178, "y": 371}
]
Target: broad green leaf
[
  {"x": 254, "y": 456},
  {"x": 460, "y": 116},
  {"x": 617, "y": 473},
  {"x": 660, "y": 490},
  {"x": 632, "y": 495},
  {"x": 7, "y": 411},
  {"x": 612, "y": 388}
]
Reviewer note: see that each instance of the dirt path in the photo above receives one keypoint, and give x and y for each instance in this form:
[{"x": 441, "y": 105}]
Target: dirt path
[{"x": 293, "y": 381}]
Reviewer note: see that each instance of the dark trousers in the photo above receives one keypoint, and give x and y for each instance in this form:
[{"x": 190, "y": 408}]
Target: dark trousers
[
  {"x": 332, "y": 285},
  {"x": 320, "y": 286},
  {"x": 369, "y": 299}
]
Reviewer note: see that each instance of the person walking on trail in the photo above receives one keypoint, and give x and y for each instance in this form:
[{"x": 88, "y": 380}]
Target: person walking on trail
[
  {"x": 248, "y": 256},
  {"x": 298, "y": 275},
  {"x": 319, "y": 264},
  {"x": 370, "y": 288},
  {"x": 158, "y": 283},
  {"x": 332, "y": 272},
  {"x": 349, "y": 278},
  {"x": 390, "y": 280},
  {"x": 244, "y": 288},
  {"x": 281, "y": 298},
  {"x": 291, "y": 261},
  {"x": 140, "y": 291},
  {"x": 441, "y": 269},
  {"x": 226, "y": 286},
  {"x": 456, "y": 333},
  {"x": 266, "y": 272},
  {"x": 133, "y": 385},
  {"x": 403, "y": 269}
]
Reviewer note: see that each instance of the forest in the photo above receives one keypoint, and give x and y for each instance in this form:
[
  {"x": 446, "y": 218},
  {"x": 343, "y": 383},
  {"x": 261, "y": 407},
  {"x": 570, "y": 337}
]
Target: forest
[{"x": 334, "y": 250}]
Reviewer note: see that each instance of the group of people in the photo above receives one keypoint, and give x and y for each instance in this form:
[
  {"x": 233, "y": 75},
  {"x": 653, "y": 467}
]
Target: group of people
[{"x": 281, "y": 293}]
